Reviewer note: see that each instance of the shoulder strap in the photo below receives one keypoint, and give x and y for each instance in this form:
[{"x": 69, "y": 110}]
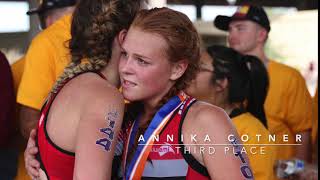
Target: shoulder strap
[{"x": 190, "y": 159}]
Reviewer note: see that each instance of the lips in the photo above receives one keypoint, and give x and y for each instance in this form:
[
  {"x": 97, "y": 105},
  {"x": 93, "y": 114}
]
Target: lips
[
  {"x": 127, "y": 84},
  {"x": 233, "y": 42}
]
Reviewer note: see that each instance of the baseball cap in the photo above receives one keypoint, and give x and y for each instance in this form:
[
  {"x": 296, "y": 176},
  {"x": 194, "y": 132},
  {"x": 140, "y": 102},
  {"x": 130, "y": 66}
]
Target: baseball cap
[
  {"x": 51, "y": 4},
  {"x": 252, "y": 13}
]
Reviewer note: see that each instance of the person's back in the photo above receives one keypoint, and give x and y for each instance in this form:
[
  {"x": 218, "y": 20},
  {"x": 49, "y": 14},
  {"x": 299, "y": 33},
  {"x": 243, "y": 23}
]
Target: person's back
[
  {"x": 91, "y": 50},
  {"x": 83, "y": 112},
  {"x": 80, "y": 107}
]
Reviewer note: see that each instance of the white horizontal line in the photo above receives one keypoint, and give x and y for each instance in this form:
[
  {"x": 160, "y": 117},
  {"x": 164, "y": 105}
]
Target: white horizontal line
[{"x": 220, "y": 144}]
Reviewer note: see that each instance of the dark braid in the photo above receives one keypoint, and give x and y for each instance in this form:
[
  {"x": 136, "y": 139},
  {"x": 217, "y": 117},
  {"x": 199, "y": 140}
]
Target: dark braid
[
  {"x": 96, "y": 23},
  {"x": 94, "y": 26}
]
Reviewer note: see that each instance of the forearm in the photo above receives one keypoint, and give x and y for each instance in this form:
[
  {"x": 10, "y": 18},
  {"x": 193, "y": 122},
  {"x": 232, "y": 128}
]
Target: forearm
[
  {"x": 304, "y": 151},
  {"x": 28, "y": 120}
]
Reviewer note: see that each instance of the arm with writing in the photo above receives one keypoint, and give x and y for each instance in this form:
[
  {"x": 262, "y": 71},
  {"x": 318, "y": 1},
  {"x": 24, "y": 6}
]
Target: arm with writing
[
  {"x": 214, "y": 122},
  {"x": 96, "y": 138}
]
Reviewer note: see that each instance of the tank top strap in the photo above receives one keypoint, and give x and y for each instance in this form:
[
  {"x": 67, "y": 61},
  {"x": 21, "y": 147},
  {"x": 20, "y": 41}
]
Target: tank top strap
[
  {"x": 101, "y": 75},
  {"x": 46, "y": 106},
  {"x": 189, "y": 158}
]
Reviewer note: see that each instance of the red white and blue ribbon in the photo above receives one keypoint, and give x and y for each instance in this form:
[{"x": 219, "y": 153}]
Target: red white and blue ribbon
[{"x": 134, "y": 169}]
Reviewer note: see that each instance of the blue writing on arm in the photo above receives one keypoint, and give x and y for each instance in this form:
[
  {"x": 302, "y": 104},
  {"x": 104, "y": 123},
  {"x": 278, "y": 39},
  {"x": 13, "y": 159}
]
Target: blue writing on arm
[
  {"x": 245, "y": 169},
  {"x": 106, "y": 142}
]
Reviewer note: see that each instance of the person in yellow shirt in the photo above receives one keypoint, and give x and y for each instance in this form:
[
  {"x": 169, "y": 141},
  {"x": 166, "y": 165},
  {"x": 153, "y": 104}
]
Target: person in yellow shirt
[
  {"x": 288, "y": 104},
  {"x": 239, "y": 85},
  {"x": 45, "y": 60},
  {"x": 49, "y": 11}
]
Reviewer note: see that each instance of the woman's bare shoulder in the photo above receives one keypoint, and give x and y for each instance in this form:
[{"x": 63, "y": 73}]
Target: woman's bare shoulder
[
  {"x": 207, "y": 117},
  {"x": 92, "y": 85},
  {"x": 95, "y": 92},
  {"x": 202, "y": 111}
]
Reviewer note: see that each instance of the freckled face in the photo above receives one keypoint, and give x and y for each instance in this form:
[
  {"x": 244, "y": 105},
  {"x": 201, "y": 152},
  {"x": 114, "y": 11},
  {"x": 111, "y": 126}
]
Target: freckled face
[{"x": 144, "y": 67}]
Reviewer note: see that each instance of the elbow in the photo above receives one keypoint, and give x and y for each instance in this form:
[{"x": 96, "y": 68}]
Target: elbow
[{"x": 28, "y": 120}]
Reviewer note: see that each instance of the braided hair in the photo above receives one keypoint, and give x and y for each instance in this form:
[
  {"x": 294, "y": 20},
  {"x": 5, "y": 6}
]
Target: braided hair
[{"x": 94, "y": 26}]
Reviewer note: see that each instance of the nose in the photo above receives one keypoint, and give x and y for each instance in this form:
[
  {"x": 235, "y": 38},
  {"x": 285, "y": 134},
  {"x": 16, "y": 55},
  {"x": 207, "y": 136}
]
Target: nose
[
  {"x": 231, "y": 34},
  {"x": 126, "y": 66}
]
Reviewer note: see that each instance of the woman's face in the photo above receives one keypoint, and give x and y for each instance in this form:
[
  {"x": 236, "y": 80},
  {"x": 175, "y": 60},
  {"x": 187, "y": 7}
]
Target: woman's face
[
  {"x": 144, "y": 67},
  {"x": 202, "y": 87}
]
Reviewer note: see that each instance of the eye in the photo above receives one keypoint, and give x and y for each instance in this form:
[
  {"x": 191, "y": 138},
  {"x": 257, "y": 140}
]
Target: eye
[
  {"x": 241, "y": 28},
  {"x": 124, "y": 54},
  {"x": 142, "y": 62}
]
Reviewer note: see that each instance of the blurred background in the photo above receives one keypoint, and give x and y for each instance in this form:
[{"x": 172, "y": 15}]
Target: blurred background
[{"x": 293, "y": 39}]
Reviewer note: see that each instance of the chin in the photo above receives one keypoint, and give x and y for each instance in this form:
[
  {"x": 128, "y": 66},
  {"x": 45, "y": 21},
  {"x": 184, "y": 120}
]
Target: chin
[
  {"x": 235, "y": 47},
  {"x": 127, "y": 96},
  {"x": 240, "y": 49},
  {"x": 190, "y": 91},
  {"x": 130, "y": 97}
]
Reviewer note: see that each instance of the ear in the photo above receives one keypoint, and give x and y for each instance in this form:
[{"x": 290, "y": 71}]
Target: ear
[
  {"x": 122, "y": 35},
  {"x": 49, "y": 20},
  {"x": 178, "y": 69},
  {"x": 262, "y": 35},
  {"x": 221, "y": 84}
]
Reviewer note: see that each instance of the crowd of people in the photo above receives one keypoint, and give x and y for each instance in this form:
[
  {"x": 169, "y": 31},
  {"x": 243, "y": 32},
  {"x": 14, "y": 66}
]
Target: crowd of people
[{"x": 105, "y": 85}]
